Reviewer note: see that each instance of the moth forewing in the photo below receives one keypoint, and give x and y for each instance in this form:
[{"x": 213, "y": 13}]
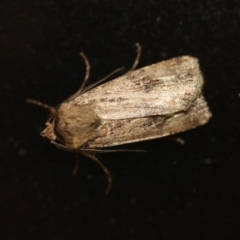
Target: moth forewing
[{"x": 159, "y": 89}]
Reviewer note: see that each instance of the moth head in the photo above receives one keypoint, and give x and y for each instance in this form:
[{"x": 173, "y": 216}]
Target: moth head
[
  {"x": 48, "y": 132},
  {"x": 69, "y": 125}
]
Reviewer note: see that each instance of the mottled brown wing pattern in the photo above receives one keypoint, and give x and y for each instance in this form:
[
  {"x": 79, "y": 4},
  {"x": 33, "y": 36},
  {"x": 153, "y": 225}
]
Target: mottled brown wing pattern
[
  {"x": 159, "y": 89},
  {"x": 118, "y": 132}
]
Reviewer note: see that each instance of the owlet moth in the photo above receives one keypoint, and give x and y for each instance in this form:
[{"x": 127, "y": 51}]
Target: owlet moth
[{"x": 152, "y": 102}]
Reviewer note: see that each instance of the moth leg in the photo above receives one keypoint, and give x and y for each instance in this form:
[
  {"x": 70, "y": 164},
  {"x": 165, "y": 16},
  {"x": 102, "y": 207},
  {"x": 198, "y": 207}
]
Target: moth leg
[
  {"x": 109, "y": 177},
  {"x": 179, "y": 140},
  {"x": 76, "y": 167},
  {"x": 63, "y": 147},
  {"x": 87, "y": 64},
  {"x": 136, "y": 61}
]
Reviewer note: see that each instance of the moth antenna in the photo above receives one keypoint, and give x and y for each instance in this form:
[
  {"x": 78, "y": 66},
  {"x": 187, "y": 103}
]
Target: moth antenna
[
  {"x": 102, "y": 80},
  {"x": 40, "y": 104},
  {"x": 87, "y": 64},
  {"x": 139, "y": 51}
]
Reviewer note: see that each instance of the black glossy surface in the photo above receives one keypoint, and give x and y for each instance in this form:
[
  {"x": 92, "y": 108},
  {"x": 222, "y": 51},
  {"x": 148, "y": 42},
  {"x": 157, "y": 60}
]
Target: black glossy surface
[{"x": 173, "y": 191}]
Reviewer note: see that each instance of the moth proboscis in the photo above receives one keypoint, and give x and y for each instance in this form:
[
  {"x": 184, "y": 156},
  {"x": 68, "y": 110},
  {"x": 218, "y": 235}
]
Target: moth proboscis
[{"x": 152, "y": 102}]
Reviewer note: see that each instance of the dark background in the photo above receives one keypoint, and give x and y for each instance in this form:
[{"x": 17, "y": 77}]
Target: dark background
[{"x": 174, "y": 191}]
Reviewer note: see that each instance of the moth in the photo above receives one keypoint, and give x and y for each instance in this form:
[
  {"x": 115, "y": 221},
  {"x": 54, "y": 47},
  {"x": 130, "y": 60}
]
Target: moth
[{"x": 152, "y": 102}]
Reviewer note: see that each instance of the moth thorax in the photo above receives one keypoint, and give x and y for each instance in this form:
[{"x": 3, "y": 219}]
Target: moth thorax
[{"x": 75, "y": 125}]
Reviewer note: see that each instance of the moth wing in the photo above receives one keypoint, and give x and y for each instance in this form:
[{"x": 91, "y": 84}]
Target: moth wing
[
  {"x": 122, "y": 131},
  {"x": 160, "y": 89}
]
